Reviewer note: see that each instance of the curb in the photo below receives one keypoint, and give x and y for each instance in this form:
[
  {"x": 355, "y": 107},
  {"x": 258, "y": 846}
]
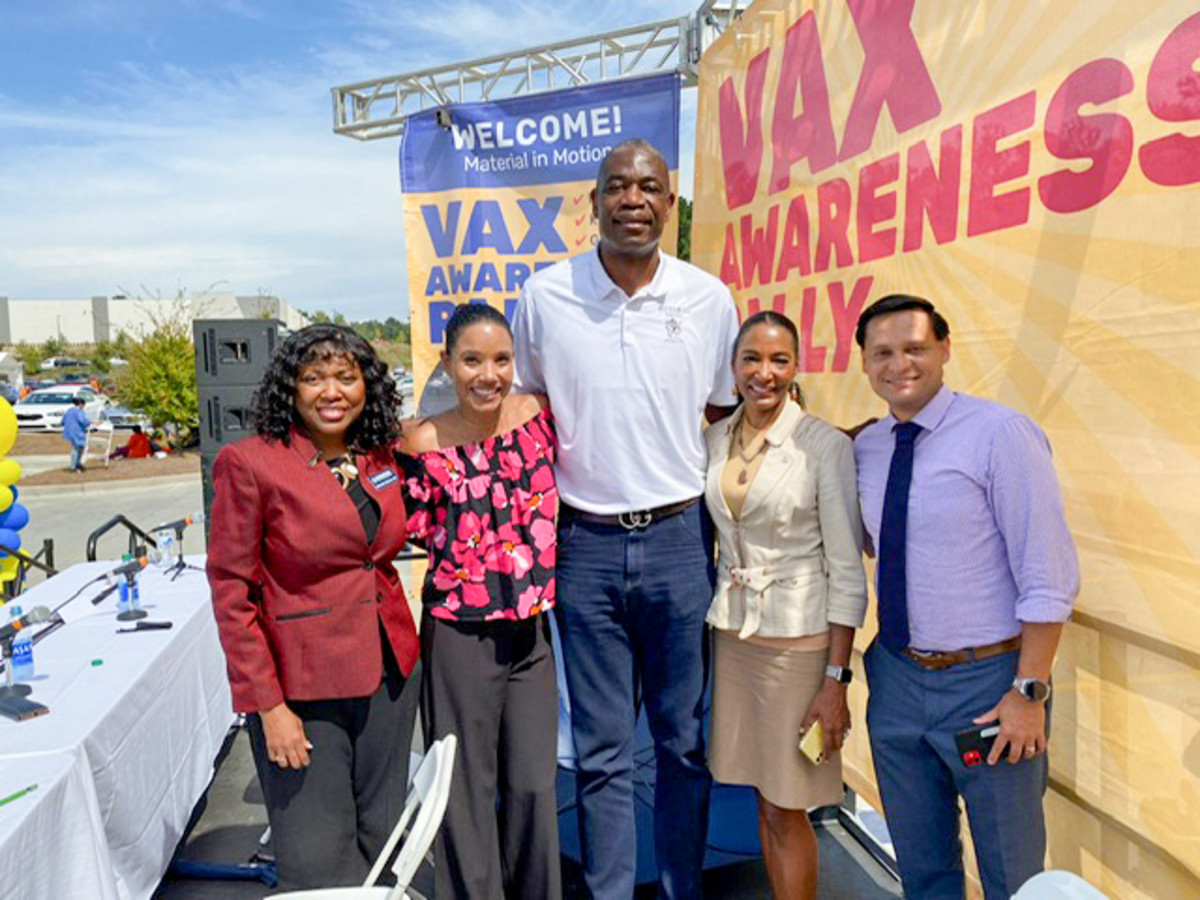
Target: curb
[{"x": 53, "y": 490}]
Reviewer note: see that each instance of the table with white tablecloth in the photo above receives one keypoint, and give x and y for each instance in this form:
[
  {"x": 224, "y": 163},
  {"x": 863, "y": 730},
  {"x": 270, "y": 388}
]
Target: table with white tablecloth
[
  {"x": 141, "y": 717},
  {"x": 52, "y": 838}
]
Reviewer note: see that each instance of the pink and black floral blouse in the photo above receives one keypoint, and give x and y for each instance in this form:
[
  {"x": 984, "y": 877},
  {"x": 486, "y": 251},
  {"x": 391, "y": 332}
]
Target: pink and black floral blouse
[{"x": 486, "y": 513}]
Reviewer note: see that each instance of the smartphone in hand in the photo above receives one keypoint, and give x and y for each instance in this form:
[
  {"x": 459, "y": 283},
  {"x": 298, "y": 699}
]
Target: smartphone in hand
[
  {"x": 975, "y": 743},
  {"x": 812, "y": 743}
]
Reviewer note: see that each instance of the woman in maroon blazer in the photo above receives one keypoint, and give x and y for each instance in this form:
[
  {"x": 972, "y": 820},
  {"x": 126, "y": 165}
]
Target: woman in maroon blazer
[{"x": 319, "y": 641}]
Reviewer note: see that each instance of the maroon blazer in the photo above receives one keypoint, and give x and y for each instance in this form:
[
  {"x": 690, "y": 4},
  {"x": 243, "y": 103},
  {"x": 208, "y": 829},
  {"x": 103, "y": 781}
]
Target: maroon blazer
[{"x": 298, "y": 593}]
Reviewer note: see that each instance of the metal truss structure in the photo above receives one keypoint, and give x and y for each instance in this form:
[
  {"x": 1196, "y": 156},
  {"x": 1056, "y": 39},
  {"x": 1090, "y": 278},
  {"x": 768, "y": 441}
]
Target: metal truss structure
[{"x": 378, "y": 108}]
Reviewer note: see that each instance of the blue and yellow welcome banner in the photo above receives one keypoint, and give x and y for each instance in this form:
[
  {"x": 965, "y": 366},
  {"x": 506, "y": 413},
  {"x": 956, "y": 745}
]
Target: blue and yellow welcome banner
[{"x": 502, "y": 189}]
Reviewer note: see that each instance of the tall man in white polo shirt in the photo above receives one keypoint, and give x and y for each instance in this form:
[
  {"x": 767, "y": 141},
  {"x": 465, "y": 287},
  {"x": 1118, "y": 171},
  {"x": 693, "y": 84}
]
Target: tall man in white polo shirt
[{"x": 633, "y": 347}]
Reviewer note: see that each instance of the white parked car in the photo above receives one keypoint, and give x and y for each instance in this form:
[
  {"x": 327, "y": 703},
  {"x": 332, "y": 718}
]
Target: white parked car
[{"x": 43, "y": 410}]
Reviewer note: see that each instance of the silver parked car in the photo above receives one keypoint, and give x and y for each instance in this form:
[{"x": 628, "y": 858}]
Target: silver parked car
[
  {"x": 43, "y": 410},
  {"x": 124, "y": 417}
]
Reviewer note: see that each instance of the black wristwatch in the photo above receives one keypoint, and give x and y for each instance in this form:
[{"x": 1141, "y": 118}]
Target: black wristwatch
[
  {"x": 1034, "y": 690},
  {"x": 840, "y": 674}
]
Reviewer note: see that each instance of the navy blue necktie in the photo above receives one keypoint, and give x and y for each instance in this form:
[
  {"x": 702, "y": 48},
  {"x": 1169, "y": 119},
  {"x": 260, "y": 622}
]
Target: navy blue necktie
[{"x": 893, "y": 533}]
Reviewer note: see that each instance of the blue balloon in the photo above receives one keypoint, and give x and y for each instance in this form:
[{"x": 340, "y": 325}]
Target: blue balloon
[
  {"x": 15, "y": 517},
  {"x": 10, "y": 539}
]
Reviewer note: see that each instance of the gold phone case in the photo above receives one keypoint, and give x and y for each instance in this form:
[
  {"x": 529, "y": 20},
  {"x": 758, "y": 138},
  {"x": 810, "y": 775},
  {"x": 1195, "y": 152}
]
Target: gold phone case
[{"x": 812, "y": 743}]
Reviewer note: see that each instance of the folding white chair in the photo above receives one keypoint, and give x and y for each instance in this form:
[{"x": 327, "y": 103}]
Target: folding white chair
[
  {"x": 1057, "y": 885},
  {"x": 427, "y": 797},
  {"x": 97, "y": 443}
]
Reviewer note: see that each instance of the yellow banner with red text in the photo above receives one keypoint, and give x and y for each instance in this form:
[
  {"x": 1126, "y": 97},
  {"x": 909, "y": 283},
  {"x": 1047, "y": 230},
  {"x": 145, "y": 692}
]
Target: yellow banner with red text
[{"x": 1032, "y": 169}]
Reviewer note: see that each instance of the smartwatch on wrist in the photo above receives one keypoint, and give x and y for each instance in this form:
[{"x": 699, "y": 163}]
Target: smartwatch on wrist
[
  {"x": 840, "y": 674},
  {"x": 1035, "y": 690}
]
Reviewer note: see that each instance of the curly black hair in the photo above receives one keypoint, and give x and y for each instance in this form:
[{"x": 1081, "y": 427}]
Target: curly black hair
[{"x": 274, "y": 403}]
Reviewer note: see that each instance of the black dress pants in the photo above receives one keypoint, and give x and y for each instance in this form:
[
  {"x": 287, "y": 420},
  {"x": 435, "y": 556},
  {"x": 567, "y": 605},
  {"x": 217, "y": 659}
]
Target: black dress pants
[
  {"x": 330, "y": 820},
  {"x": 492, "y": 684}
]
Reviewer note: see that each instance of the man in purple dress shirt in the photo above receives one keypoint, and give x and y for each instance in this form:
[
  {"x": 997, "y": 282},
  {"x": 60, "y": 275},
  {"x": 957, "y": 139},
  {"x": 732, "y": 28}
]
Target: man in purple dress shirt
[{"x": 977, "y": 572}]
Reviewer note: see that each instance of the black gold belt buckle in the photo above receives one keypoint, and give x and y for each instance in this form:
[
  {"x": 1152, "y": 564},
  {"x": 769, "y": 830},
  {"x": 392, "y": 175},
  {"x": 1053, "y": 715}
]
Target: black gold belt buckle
[{"x": 639, "y": 518}]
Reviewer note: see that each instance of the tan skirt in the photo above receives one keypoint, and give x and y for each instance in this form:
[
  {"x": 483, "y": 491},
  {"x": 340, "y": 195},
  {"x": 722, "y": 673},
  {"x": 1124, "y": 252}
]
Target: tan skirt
[{"x": 760, "y": 697}]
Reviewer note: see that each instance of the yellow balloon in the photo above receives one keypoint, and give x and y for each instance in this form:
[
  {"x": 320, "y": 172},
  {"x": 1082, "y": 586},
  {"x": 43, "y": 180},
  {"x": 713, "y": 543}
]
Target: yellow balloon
[
  {"x": 10, "y": 471},
  {"x": 8, "y": 426},
  {"x": 6, "y": 498},
  {"x": 9, "y": 563}
]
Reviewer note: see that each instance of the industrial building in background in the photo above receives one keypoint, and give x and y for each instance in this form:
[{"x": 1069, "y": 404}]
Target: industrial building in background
[{"x": 103, "y": 318}]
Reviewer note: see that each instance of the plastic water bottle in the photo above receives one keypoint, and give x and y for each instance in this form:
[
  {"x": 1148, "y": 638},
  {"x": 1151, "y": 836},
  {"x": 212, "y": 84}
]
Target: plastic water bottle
[
  {"x": 123, "y": 598},
  {"x": 165, "y": 541},
  {"x": 22, "y": 646}
]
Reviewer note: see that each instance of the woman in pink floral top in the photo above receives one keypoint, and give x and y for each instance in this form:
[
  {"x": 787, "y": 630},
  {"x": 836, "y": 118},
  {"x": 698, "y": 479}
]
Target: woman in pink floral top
[{"x": 481, "y": 498}]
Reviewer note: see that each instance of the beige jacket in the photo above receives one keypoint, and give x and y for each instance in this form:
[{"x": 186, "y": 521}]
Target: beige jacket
[{"x": 792, "y": 564}]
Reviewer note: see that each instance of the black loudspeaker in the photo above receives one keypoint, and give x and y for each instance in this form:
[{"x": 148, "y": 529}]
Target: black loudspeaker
[
  {"x": 232, "y": 356},
  {"x": 234, "y": 351}
]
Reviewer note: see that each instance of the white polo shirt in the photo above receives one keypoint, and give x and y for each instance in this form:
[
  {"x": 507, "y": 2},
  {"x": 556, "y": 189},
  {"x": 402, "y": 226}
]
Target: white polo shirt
[{"x": 628, "y": 377}]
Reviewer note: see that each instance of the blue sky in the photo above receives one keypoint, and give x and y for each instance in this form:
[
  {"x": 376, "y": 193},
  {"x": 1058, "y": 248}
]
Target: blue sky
[{"x": 153, "y": 146}]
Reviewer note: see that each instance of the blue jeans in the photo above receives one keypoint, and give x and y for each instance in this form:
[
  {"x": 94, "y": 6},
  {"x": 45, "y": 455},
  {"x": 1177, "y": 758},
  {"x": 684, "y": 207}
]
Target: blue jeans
[
  {"x": 77, "y": 456},
  {"x": 631, "y": 608},
  {"x": 913, "y": 715}
]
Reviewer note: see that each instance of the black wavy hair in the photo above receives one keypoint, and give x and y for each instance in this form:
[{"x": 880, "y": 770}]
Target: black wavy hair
[
  {"x": 274, "y": 404},
  {"x": 468, "y": 314}
]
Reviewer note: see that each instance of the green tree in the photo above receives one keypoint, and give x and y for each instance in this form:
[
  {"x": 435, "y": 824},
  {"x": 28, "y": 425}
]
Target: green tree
[
  {"x": 685, "y": 229},
  {"x": 160, "y": 379},
  {"x": 122, "y": 344},
  {"x": 30, "y": 357},
  {"x": 101, "y": 354},
  {"x": 52, "y": 347}
]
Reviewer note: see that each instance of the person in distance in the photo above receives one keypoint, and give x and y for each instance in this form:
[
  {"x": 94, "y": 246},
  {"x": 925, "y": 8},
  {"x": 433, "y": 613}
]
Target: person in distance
[{"x": 320, "y": 646}]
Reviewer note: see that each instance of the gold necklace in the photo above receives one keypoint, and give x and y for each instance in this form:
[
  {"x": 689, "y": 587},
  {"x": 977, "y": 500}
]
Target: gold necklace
[
  {"x": 344, "y": 470},
  {"x": 748, "y": 458}
]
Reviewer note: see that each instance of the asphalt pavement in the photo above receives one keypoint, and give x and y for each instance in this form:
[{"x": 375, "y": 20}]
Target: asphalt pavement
[{"x": 68, "y": 514}]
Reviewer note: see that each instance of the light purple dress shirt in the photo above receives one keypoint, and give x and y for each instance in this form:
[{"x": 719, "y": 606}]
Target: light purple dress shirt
[{"x": 988, "y": 544}]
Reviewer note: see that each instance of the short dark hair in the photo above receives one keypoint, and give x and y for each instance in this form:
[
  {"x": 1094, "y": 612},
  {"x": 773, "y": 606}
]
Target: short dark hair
[
  {"x": 898, "y": 303},
  {"x": 768, "y": 317},
  {"x": 274, "y": 404},
  {"x": 469, "y": 314},
  {"x": 77, "y": 400}
]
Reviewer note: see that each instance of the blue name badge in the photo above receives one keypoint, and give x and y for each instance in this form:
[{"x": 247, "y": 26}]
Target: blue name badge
[{"x": 380, "y": 480}]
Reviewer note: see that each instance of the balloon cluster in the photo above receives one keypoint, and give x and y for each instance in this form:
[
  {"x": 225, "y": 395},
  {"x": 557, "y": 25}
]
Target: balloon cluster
[{"x": 13, "y": 516}]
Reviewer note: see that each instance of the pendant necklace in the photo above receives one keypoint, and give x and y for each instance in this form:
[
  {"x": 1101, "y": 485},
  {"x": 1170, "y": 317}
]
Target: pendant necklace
[
  {"x": 344, "y": 470},
  {"x": 748, "y": 458}
]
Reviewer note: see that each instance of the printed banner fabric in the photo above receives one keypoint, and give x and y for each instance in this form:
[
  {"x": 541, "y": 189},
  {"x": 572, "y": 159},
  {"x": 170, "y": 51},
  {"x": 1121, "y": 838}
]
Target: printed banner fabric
[
  {"x": 504, "y": 190},
  {"x": 1032, "y": 168}
]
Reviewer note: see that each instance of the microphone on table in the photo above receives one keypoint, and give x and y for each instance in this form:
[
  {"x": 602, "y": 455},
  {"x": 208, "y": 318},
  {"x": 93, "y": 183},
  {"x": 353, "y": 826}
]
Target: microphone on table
[
  {"x": 35, "y": 616},
  {"x": 134, "y": 565},
  {"x": 180, "y": 524}
]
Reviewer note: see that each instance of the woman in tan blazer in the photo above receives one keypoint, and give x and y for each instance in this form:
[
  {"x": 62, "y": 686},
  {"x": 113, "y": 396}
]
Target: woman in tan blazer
[{"x": 790, "y": 592}]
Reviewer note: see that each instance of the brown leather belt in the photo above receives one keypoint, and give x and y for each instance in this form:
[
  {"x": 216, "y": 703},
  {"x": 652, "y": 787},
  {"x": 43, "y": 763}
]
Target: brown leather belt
[
  {"x": 935, "y": 659},
  {"x": 630, "y": 521}
]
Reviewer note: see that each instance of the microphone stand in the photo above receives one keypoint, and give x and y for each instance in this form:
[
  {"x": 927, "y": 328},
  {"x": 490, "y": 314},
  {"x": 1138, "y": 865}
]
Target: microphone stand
[
  {"x": 178, "y": 567},
  {"x": 135, "y": 610}
]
